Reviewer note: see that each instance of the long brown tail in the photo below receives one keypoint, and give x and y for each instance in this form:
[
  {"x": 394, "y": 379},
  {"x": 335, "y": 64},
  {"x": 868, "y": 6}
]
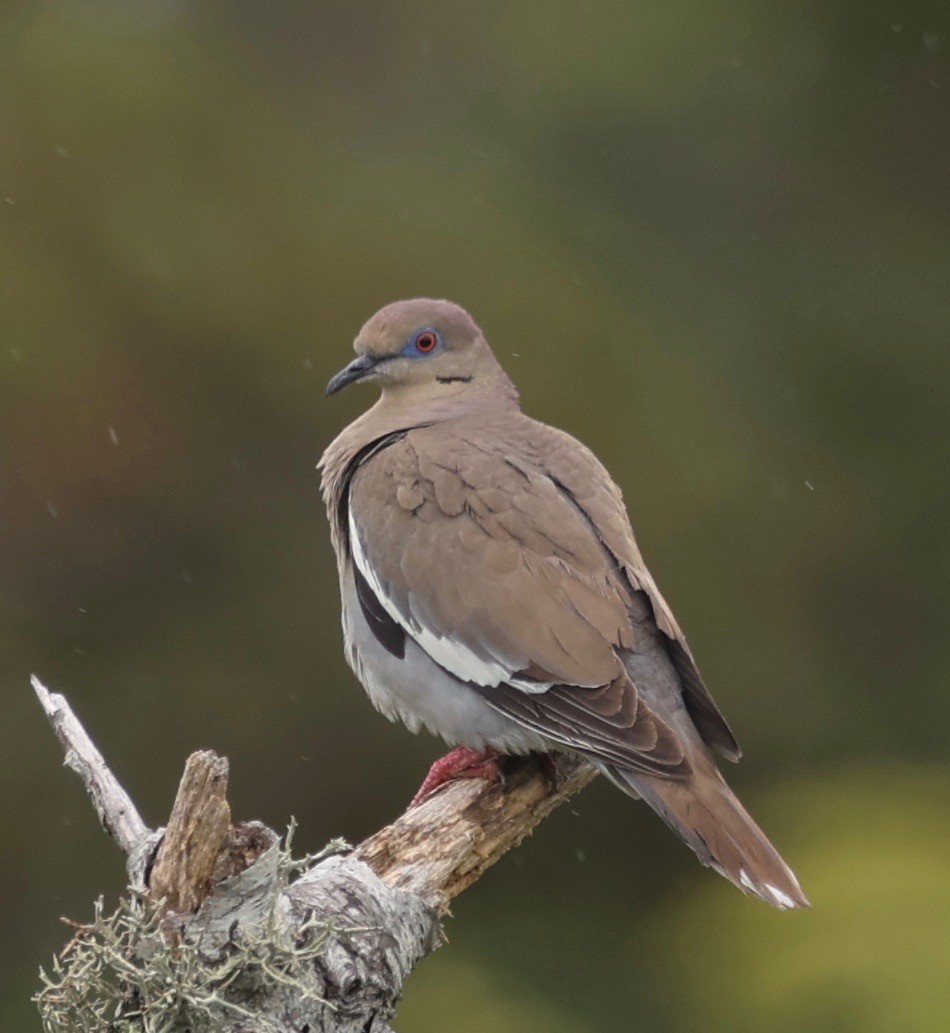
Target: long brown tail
[{"x": 704, "y": 812}]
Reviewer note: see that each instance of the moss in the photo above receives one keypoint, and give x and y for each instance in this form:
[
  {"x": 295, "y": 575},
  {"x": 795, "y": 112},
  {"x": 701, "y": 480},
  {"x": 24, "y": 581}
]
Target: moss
[{"x": 124, "y": 973}]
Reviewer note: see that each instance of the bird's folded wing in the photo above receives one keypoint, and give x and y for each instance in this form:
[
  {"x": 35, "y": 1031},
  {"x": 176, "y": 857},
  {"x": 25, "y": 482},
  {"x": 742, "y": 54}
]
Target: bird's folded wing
[
  {"x": 610, "y": 724},
  {"x": 581, "y": 476},
  {"x": 492, "y": 569}
]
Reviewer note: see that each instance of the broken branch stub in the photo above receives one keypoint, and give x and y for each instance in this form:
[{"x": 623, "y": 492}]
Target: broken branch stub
[{"x": 197, "y": 829}]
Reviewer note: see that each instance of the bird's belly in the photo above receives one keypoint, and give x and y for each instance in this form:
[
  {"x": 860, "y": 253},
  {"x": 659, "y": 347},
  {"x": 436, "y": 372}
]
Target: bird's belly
[{"x": 419, "y": 693}]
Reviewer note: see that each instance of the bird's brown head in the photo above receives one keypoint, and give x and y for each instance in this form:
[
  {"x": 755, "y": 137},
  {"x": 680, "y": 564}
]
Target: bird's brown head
[{"x": 423, "y": 349}]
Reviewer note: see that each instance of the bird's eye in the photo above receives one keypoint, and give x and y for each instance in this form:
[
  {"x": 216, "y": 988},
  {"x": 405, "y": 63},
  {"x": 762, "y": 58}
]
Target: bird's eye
[{"x": 425, "y": 341}]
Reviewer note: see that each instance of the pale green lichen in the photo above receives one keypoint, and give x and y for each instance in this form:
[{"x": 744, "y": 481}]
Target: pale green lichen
[{"x": 122, "y": 973}]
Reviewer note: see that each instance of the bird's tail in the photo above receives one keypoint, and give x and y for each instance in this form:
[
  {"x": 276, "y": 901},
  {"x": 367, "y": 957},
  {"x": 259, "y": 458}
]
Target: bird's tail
[{"x": 704, "y": 812}]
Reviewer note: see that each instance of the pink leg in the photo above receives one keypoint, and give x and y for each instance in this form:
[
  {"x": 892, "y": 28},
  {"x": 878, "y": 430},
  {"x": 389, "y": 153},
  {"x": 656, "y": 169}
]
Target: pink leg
[{"x": 460, "y": 763}]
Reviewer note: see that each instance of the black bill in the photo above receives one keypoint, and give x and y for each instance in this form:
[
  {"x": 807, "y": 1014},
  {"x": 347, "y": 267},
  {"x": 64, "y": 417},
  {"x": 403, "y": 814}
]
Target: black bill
[{"x": 357, "y": 369}]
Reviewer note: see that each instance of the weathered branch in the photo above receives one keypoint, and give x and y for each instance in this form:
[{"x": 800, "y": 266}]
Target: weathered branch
[
  {"x": 229, "y": 939},
  {"x": 117, "y": 814},
  {"x": 197, "y": 829},
  {"x": 440, "y": 848}
]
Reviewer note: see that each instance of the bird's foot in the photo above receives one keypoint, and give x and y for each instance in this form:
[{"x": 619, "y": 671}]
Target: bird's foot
[{"x": 461, "y": 763}]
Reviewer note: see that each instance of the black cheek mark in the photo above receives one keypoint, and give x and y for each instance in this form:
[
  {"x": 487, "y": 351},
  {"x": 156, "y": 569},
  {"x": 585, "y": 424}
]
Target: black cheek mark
[{"x": 454, "y": 380}]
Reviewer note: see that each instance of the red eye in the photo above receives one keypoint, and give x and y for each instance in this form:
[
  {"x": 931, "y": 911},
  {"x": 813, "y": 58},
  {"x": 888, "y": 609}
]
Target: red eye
[{"x": 426, "y": 341}]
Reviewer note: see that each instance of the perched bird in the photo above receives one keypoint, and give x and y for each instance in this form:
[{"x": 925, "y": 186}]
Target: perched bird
[{"x": 493, "y": 592}]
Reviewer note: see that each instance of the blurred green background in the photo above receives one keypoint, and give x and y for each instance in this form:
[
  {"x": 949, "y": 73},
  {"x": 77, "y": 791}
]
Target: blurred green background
[{"x": 709, "y": 238}]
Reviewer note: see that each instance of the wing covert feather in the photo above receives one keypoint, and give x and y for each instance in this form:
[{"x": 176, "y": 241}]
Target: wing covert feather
[
  {"x": 516, "y": 548},
  {"x": 491, "y": 565}
]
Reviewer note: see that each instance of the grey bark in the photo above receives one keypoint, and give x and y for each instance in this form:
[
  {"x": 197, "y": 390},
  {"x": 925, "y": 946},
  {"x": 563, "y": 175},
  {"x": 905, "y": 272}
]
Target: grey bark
[{"x": 328, "y": 950}]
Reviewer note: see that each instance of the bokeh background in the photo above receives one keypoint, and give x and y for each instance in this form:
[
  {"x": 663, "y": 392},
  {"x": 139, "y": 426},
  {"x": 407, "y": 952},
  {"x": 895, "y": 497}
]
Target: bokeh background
[{"x": 709, "y": 238}]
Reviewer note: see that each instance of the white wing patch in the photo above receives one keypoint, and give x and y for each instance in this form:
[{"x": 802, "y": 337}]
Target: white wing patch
[{"x": 453, "y": 656}]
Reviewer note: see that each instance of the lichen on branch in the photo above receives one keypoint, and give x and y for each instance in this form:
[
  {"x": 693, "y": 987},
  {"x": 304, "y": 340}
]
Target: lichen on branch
[{"x": 222, "y": 930}]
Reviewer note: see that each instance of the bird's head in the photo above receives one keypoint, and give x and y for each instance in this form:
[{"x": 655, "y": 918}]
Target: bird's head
[{"x": 423, "y": 349}]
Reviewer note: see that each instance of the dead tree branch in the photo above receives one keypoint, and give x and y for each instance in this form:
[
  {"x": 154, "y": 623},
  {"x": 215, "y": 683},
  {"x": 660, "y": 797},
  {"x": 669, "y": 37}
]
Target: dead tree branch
[{"x": 224, "y": 931}]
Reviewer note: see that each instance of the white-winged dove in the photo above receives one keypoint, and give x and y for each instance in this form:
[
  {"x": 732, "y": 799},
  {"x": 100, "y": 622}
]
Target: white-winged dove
[{"x": 493, "y": 591}]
